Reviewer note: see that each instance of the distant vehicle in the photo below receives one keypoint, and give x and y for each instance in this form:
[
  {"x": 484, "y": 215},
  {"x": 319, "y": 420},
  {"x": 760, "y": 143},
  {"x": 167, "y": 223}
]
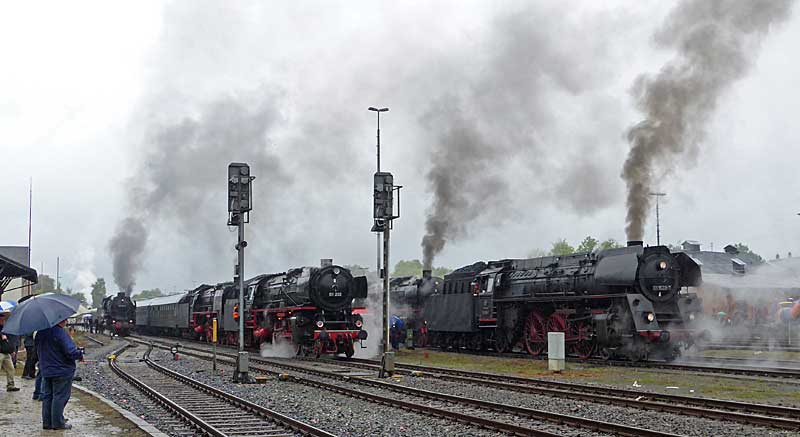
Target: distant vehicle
[{"x": 118, "y": 314}]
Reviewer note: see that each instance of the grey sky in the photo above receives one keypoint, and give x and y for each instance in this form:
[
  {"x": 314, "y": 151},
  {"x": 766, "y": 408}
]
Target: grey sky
[{"x": 86, "y": 87}]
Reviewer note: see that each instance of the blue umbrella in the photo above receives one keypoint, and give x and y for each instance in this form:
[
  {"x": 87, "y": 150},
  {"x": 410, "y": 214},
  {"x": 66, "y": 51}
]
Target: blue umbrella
[
  {"x": 7, "y": 306},
  {"x": 40, "y": 312}
]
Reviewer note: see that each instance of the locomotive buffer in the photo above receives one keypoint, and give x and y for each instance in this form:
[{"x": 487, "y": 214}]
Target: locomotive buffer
[{"x": 239, "y": 206}]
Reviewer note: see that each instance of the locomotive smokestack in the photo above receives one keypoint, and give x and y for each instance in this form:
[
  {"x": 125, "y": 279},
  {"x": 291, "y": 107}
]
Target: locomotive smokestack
[
  {"x": 426, "y": 274},
  {"x": 325, "y": 262},
  {"x": 635, "y": 243}
]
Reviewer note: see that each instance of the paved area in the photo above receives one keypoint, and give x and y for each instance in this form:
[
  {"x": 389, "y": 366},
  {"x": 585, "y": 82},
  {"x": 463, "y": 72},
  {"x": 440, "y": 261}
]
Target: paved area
[{"x": 22, "y": 416}]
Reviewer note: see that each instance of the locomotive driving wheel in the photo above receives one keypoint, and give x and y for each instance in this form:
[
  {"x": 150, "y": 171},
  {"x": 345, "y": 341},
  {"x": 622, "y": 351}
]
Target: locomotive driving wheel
[
  {"x": 556, "y": 323},
  {"x": 502, "y": 341},
  {"x": 583, "y": 345},
  {"x": 535, "y": 333}
]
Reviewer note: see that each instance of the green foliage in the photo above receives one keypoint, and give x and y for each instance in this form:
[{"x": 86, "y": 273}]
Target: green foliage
[
  {"x": 414, "y": 268},
  {"x": 587, "y": 245},
  {"x": 610, "y": 244},
  {"x": 98, "y": 292},
  {"x": 561, "y": 247},
  {"x": 46, "y": 284},
  {"x": 743, "y": 248},
  {"x": 148, "y": 294},
  {"x": 537, "y": 253},
  {"x": 408, "y": 268}
]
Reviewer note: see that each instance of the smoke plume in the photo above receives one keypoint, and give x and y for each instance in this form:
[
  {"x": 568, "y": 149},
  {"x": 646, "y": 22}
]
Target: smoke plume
[
  {"x": 181, "y": 179},
  {"x": 495, "y": 116},
  {"x": 126, "y": 247},
  {"x": 716, "y": 42}
]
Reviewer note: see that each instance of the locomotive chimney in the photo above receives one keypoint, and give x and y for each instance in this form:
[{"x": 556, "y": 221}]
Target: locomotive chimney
[
  {"x": 325, "y": 262},
  {"x": 635, "y": 243},
  {"x": 426, "y": 274}
]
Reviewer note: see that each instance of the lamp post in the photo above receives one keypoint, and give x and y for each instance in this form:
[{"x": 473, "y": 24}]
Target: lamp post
[
  {"x": 378, "y": 234},
  {"x": 658, "y": 218}
]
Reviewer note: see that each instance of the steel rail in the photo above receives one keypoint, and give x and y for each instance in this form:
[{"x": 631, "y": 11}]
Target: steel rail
[
  {"x": 398, "y": 403},
  {"x": 762, "y": 414}
]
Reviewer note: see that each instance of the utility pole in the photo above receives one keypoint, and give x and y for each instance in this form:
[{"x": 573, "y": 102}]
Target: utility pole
[
  {"x": 378, "y": 147},
  {"x": 239, "y": 206},
  {"x": 30, "y": 216},
  {"x": 58, "y": 273},
  {"x": 658, "y": 218}
]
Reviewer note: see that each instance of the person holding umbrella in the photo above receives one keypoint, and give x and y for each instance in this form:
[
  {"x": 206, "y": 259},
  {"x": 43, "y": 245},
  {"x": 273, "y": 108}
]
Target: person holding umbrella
[
  {"x": 47, "y": 314},
  {"x": 8, "y": 345}
]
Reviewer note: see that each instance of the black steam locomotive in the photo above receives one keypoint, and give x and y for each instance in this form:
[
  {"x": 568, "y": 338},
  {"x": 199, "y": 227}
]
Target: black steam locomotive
[
  {"x": 118, "y": 314},
  {"x": 627, "y": 302},
  {"x": 408, "y": 295},
  {"x": 309, "y": 307}
]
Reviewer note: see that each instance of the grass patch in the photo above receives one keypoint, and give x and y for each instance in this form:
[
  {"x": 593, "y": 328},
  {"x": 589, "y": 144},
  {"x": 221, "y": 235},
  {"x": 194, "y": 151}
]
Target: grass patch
[{"x": 688, "y": 384}]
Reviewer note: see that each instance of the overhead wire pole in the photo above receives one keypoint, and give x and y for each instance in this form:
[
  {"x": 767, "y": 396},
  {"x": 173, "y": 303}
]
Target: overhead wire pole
[{"x": 658, "y": 218}]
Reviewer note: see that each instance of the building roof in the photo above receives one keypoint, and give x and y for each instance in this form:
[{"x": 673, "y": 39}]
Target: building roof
[
  {"x": 16, "y": 253},
  {"x": 175, "y": 298},
  {"x": 722, "y": 262}
]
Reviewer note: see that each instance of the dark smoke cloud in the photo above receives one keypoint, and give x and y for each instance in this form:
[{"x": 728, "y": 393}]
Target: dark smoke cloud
[
  {"x": 181, "y": 181},
  {"x": 495, "y": 117},
  {"x": 126, "y": 249},
  {"x": 716, "y": 43}
]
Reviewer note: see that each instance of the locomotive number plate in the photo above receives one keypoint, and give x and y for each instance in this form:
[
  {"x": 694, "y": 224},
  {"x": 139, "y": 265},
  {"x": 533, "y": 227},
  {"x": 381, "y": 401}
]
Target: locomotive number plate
[
  {"x": 335, "y": 294},
  {"x": 661, "y": 287}
]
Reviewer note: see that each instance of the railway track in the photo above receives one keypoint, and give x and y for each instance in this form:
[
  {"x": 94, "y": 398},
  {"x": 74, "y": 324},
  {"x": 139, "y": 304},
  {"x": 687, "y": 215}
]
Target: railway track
[
  {"x": 513, "y": 419},
  {"x": 206, "y": 410},
  {"x": 742, "y": 412},
  {"x": 784, "y": 347}
]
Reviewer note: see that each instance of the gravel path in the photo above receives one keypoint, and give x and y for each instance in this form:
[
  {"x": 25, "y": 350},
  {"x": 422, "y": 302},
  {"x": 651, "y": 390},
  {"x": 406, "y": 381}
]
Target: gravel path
[
  {"x": 97, "y": 376},
  {"x": 335, "y": 413}
]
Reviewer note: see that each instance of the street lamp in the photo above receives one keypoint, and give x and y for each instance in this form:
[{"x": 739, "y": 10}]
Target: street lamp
[{"x": 658, "y": 219}]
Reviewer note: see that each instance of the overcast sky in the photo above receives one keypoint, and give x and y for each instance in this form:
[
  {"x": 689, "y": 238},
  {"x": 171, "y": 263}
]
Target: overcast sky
[{"x": 101, "y": 101}]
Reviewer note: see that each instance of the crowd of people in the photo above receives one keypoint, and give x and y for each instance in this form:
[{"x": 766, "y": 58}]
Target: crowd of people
[{"x": 54, "y": 353}]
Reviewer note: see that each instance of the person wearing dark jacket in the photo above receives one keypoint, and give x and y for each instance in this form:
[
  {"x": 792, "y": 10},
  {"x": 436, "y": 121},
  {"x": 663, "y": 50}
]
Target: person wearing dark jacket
[
  {"x": 8, "y": 345},
  {"x": 29, "y": 372},
  {"x": 57, "y": 355}
]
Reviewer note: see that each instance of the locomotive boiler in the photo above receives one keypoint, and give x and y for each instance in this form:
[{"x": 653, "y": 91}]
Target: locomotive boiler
[
  {"x": 408, "y": 295},
  {"x": 118, "y": 314},
  {"x": 628, "y": 302}
]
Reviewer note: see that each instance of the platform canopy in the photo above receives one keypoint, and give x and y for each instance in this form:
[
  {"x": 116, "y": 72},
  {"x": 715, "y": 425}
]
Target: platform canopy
[{"x": 10, "y": 269}]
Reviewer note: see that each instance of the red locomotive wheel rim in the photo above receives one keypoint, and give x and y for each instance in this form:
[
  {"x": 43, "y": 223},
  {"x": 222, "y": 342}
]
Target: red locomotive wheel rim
[
  {"x": 584, "y": 345},
  {"x": 556, "y": 323},
  {"x": 535, "y": 334}
]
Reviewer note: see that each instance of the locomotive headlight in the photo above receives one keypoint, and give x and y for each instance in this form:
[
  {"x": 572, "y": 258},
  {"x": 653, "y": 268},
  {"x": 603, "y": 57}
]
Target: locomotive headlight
[
  {"x": 662, "y": 265},
  {"x": 691, "y": 316},
  {"x": 320, "y": 323},
  {"x": 650, "y": 317},
  {"x": 359, "y": 323}
]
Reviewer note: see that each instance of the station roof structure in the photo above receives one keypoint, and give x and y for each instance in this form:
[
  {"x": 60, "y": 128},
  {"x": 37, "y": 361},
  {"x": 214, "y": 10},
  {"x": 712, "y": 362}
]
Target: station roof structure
[{"x": 11, "y": 268}]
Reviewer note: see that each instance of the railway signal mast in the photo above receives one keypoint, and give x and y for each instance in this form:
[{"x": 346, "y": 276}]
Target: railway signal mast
[
  {"x": 239, "y": 206},
  {"x": 384, "y": 215}
]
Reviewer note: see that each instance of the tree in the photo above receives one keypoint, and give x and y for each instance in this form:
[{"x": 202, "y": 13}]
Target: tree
[
  {"x": 408, "y": 268},
  {"x": 148, "y": 294},
  {"x": 414, "y": 268},
  {"x": 439, "y": 272},
  {"x": 587, "y": 245},
  {"x": 537, "y": 253},
  {"x": 743, "y": 248},
  {"x": 98, "y": 292},
  {"x": 561, "y": 247},
  {"x": 46, "y": 284},
  {"x": 610, "y": 244}
]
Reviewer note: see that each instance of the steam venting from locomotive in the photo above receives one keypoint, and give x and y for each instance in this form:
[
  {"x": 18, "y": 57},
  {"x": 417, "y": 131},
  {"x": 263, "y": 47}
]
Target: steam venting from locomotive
[
  {"x": 716, "y": 42},
  {"x": 183, "y": 170}
]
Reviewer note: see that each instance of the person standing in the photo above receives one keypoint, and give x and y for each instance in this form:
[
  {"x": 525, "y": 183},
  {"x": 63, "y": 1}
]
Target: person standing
[
  {"x": 29, "y": 372},
  {"x": 57, "y": 355},
  {"x": 8, "y": 345}
]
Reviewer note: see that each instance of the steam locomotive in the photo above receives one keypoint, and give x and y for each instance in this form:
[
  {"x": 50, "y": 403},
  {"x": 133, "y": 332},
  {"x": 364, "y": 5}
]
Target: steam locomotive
[
  {"x": 309, "y": 308},
  {"x": 408, "y": 295},
  {"x": 118, "y": 314},
  {"x": 628, "y": 302}
]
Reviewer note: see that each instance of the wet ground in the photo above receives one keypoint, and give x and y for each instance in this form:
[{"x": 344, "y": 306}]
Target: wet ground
[{"x": 22, "y": 416}]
